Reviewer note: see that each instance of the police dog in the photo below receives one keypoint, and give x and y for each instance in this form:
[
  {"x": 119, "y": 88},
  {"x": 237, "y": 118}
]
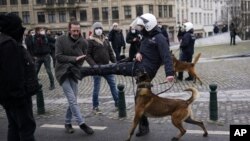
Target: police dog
[
  {"x": 180, "y": 66},
  {"x": 151, "y": 105}
]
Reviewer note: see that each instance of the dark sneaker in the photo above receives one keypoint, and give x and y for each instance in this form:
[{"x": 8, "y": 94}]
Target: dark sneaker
[
  {"x": 97, "y": 111},
  {"x": 52, "y": 87},
  {"x": 69, "y": 129},
  {"x": 87, "y": 129}
]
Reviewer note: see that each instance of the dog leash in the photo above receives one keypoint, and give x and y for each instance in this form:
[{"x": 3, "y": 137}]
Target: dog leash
[{"x": 166, "y": 89}]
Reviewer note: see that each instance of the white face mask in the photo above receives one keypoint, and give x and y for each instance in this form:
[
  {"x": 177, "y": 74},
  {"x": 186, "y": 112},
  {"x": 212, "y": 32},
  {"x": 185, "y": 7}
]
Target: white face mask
[
  {"x": 42, "y": 32},
  {"x": 98, "y": 32},
  {"x": 133, "y": 31}
]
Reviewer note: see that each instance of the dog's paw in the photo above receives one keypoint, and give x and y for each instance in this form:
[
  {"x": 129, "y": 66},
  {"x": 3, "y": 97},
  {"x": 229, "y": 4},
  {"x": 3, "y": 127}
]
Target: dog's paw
[
  {"x": 205, "y": 134},
  {"x": 174, "y": 139}
]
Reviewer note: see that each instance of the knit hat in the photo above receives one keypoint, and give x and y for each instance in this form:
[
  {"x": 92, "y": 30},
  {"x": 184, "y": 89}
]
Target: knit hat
[{"x": 97, "y": 25}]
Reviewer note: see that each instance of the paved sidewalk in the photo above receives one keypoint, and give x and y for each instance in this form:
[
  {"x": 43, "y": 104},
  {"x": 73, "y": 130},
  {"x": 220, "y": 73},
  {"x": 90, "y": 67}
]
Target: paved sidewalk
[{"x": 230, "y": 74}]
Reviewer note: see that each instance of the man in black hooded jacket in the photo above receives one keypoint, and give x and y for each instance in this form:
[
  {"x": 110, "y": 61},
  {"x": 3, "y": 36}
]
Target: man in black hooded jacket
[{"x": 13, "y": 95}]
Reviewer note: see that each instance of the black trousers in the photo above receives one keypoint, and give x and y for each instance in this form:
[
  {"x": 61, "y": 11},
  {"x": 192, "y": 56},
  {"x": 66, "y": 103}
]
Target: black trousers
[{"x": 22, "y": 125}]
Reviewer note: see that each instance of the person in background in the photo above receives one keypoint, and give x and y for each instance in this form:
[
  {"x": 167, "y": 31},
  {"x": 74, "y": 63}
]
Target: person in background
[
  {"x": 233, "y": 33},
  {"x": 117, "y": 40},
  {"x": 187, "y": 48},
  {"x": 100, "y": 53},
  {"x": 51, "y": 42},
  {"x": 133, "y": 38},
  {"x": 14, "y": 96},
  {"x": 41, "y": 51},
  {"x": 70, "y": 52},
  {"x": 181, "y": 31},
  {"x": 164, "y": 31}
]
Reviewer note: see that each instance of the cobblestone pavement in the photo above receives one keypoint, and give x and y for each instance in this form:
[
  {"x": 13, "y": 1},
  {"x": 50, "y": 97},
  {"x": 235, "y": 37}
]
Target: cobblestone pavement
[{"x": 230, "y": 74}]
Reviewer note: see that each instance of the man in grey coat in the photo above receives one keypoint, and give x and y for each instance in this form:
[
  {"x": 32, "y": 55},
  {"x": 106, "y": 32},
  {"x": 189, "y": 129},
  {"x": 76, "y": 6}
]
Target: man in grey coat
[{"x": 70, "y": 53}]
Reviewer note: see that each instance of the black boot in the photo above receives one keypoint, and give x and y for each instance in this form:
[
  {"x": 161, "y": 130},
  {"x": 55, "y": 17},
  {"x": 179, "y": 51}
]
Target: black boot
[
  {"x": 143, "y": 127},
  {"x": 87, "y": 129},
  {"x": 180, "y": 76},
  {"x": 69, "y": 129}
]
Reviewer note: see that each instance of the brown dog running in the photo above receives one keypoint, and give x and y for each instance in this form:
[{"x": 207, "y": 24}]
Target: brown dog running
[
  {"x": 180, "y": 66},
  {"x": 151, "y": 105}
]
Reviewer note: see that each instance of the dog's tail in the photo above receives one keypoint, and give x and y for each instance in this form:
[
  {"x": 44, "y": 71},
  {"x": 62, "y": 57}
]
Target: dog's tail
[
  {"x": 196, "y": 58},
  {"x": 195, "y": 94}
]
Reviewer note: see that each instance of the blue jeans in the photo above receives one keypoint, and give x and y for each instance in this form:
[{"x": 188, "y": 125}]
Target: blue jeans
[
  {"x": 97, "y": 83},
  {"x": 70, "y": 89}
]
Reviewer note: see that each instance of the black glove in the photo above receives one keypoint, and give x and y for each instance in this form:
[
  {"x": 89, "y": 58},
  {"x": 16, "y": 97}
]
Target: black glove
[{"x": 123, "y": 47}]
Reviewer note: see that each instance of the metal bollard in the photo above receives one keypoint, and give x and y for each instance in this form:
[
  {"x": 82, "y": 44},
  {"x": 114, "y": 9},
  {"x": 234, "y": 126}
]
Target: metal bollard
[
  {"x": 121, "y": 103},
  {"x": 40, "y": 102},
  {"x": 213, "y": 105}
]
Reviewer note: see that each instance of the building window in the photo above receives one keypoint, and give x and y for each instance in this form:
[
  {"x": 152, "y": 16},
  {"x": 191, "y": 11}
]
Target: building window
[
  {"x": 13, "y": 2},
  {"x": 165, "y": 11},
  {"x": 115, "y": 13},
  {"x": 24, "y": 1},
  {"x": 151, "y": 9},
  {"x": 105, "y": 14},
  {"x": 72, "y": 1},
  {"x": 83, "y": 1},
  {"x": 51, "y": 17},
  {"x": 50, "y": 2},
  {"x": 40, "y": 1},
  {"x": 62, "y": 16},
  {"x": 170, "y": 11},
  {"x": 139, "y": 10},
  {"x": 41, "y": 17},
  {"x": 95, "y": 14},
  {"x": 26, "y": 17},
  {"x": 61, "y": 1},
  {"x": 83, "y": 15},
  {"x": 72, "y": 15},
  {"x": 160, "y": 11},
  {"x": 127, "y": 12},
  {"x": 3, "y": 2}
]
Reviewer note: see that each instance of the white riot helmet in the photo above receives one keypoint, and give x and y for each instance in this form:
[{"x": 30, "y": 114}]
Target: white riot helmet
[
  {"x": 188, "y": 26},
  {"x": 148, "y": 21}
]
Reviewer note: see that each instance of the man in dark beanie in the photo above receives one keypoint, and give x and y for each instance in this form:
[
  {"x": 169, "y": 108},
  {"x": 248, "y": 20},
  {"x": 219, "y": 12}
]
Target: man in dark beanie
[{"x": 14, "y": 96}]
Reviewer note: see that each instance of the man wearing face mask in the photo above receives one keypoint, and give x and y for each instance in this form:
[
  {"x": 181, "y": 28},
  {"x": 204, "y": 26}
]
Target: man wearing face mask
[
  {"x": 41, "y": 52},
  {"x": 70, "y": 52},
  {"x": 100, "y": 53},
  {"x": 154, "y": 51},
  {"x": 117, "y": 40},
  {"x": 133, "y": 38}
]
